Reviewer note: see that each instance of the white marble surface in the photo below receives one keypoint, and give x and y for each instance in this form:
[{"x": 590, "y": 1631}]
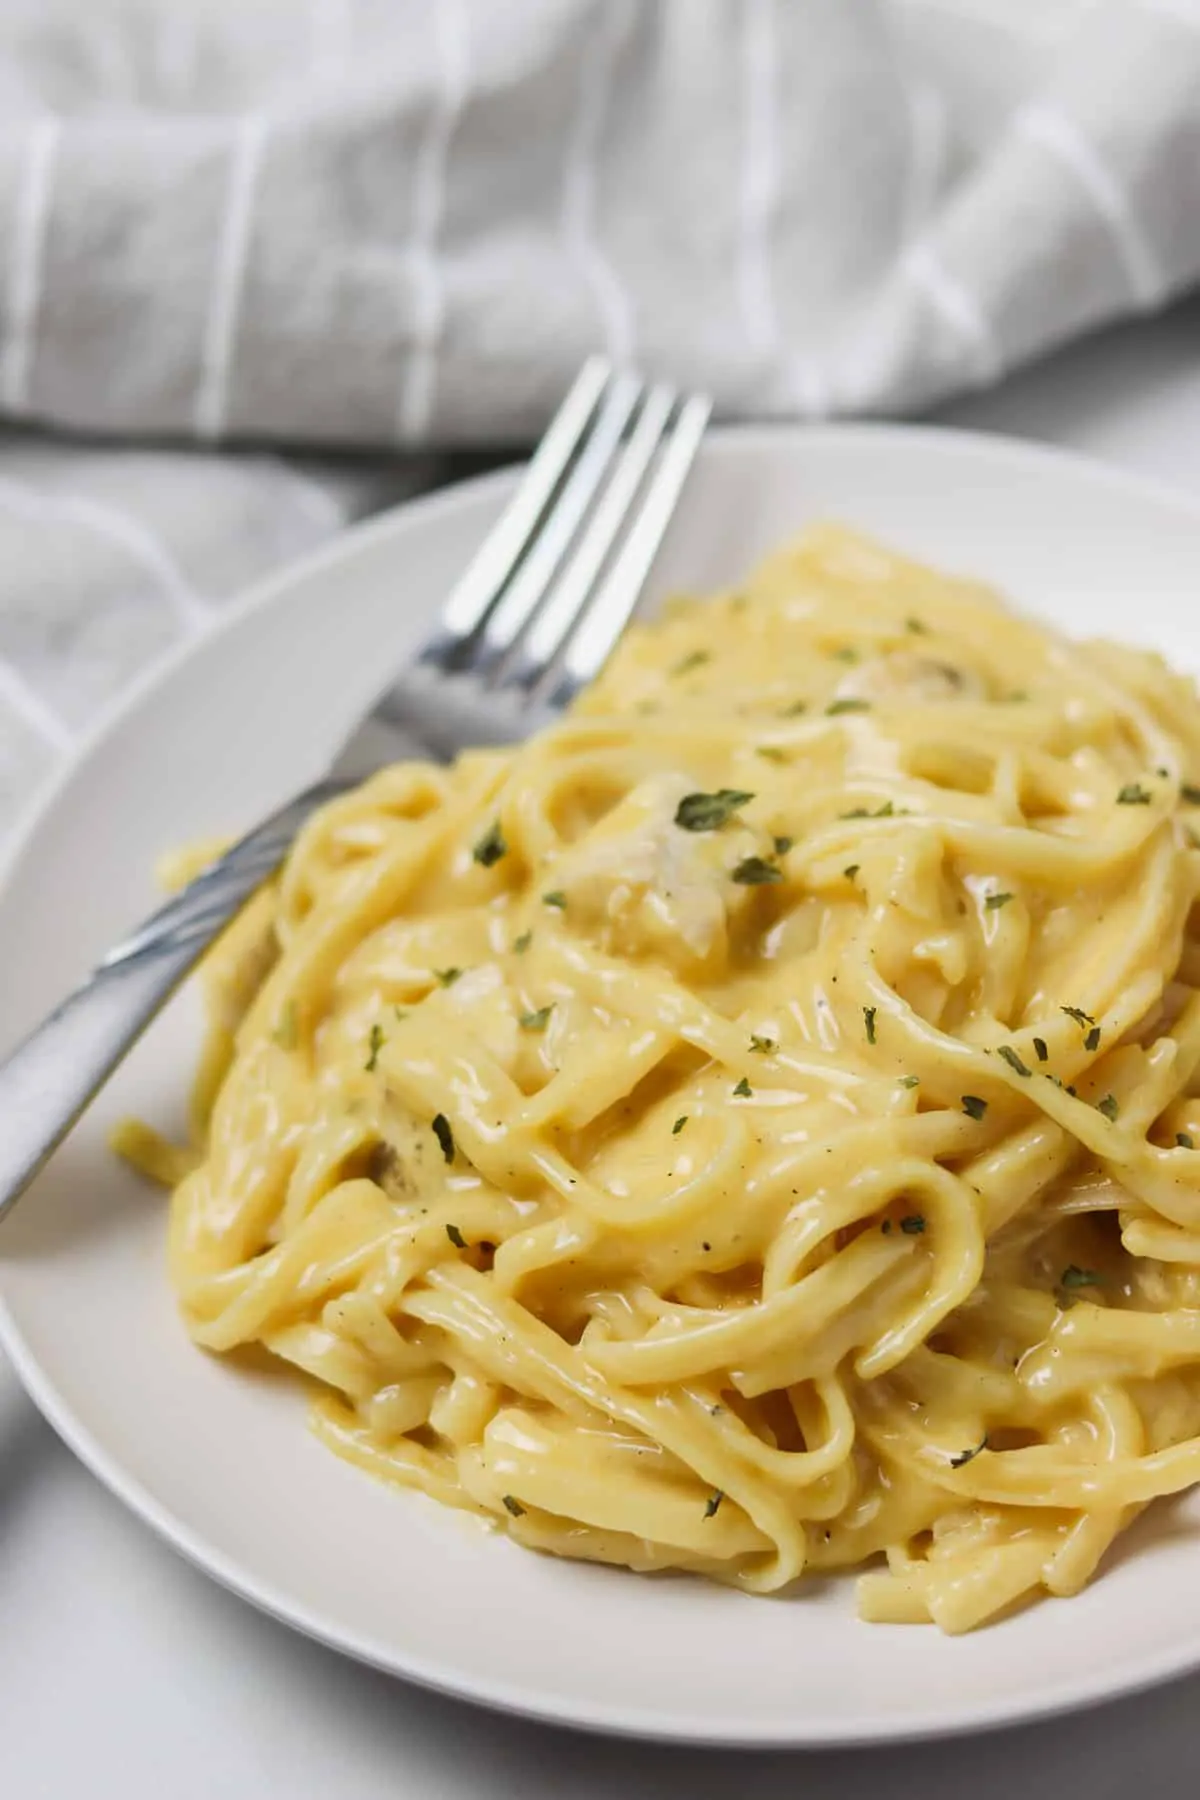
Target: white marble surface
[{"x": 123, "y": 1672}]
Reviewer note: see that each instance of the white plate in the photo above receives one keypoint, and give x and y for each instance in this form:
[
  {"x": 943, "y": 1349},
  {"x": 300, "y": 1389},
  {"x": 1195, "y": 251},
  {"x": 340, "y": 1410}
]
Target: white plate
[{"x": 219, "y": 1461}]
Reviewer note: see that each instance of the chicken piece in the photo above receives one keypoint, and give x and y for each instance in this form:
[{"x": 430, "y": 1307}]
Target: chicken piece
[{"x": 656, "y": 887}]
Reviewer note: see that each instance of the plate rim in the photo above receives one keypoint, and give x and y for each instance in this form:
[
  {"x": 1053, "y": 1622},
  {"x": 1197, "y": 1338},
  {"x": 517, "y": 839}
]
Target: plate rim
[{"x": 495, "y": 1694}]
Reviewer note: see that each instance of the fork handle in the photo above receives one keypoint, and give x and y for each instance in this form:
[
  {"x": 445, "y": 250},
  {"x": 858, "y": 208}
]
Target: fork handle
[{"x": 50, "y": 1077}]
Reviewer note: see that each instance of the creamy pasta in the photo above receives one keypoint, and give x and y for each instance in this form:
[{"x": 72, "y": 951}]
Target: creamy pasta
[{"x": 748, "y": 1128}]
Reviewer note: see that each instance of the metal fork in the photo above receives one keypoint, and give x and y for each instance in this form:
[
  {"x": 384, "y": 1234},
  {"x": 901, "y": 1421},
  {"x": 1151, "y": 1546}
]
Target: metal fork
[{"x": 531, "y": 621}]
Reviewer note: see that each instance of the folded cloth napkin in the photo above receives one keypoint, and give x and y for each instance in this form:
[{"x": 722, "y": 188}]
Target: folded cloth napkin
[{"x": 391, "y": 225}]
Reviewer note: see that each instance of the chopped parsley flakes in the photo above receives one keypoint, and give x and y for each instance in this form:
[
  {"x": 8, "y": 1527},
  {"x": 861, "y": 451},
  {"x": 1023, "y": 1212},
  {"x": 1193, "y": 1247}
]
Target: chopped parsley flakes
[
  {"x": 522, "y": 943},
  {"x": 1190, "y": 794},
  {"x": 1014, "y": 1062},
  {"x": 555, "y": 897},
  {"x": 763, "y": 1044},
  {"x": 708, "y": 812},
  {"x": 1185, "y": 1140},
  {"x": 1092, "y": 1040},
  {"x": 1108, "y": 1106},
  {"x": 536, "y": 1021},
  {"x": 679, "y": 1124},
  {"x": 755, "y": 871},
  {"x": 965, "y": 1456},
  {"x": 886, "y": 811},
  {"x": 782, "y": 845},
  {"x": 712, "y": 1503},
  {"x": 973, "y": 1106},
  {"x": 440, "y": 1126},
  {"x": 447, "y": 977},
  {"x": 846, "y": 706},
  {"x": 512, "y": 1505},
  {"x": 1073, "y": 1277},
  {"x": 869, "y": 1022},
  {"x": 456, "y": 1237},
  {"x": 695, "y": 659},
  {"x": 1133, "y": 794},
  {"x": 376, "y": 1043},
  {"x": 1077, "y": 1013},
  {"x": 491, "y": 846},
  {"x": 742, "y": 1090},
  {"x": 1039, "y": 1045},
  {"x": 994, "y": 902},
  {"x": 913, "y": 1225},
  {"x": 910, "y": 1081}
]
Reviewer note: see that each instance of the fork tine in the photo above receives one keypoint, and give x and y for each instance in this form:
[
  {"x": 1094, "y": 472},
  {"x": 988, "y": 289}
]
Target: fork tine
[
  {"x": 573, "y": 589},
  {"x": 528, "y": 588},
  {"x": 502, "y": 551},
  {"x": 613, "y": 604}
]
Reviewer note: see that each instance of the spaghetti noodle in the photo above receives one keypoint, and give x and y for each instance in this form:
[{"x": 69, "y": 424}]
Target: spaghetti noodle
[{"x": 749, "y": 1128}]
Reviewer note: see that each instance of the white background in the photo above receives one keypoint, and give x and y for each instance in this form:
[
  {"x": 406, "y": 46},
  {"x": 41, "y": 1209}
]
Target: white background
[{"x": 124, "y": 1672}]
